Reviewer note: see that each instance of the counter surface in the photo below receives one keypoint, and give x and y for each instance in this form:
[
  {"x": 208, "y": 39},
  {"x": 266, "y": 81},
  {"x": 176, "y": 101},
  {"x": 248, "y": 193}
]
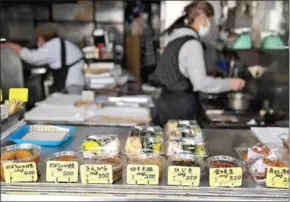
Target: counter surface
[{"x": 219, "y": 142}]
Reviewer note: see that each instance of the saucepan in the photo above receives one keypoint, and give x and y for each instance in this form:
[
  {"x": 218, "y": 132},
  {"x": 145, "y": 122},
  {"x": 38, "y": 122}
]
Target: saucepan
[{"x": 239, "y": 101}]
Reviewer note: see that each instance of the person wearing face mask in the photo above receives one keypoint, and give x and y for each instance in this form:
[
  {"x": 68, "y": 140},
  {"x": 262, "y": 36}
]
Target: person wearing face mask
[
  {"x": 181, "y": 71},
  {"x": 63, "y": 57}
]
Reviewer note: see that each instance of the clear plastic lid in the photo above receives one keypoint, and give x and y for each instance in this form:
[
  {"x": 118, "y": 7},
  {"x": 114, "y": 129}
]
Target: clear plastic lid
[
  {"x": 100, "y": 144},
  {"x": 147, "y": 140},
  {"x": 185, "y": 147},
  {"x": 176, "y": 129}
]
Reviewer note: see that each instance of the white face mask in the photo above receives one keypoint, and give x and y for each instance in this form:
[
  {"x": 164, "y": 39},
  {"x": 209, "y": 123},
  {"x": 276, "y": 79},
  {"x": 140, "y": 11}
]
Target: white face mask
[{"x": 204, "y": 30}]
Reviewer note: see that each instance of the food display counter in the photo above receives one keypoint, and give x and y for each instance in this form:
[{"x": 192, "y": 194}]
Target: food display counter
[{"x": 218, "y": 142}]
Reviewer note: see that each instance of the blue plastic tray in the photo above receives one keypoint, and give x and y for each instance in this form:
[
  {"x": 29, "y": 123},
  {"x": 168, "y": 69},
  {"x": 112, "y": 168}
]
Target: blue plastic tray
[{"x": 18, "y": 134}]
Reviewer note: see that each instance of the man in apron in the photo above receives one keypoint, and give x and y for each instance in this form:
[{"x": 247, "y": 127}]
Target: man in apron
[{"x": 63, "y": 57}]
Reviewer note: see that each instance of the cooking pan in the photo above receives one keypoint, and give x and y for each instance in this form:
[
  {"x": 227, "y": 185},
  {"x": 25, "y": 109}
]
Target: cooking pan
[{"x": 239, "y": 101}]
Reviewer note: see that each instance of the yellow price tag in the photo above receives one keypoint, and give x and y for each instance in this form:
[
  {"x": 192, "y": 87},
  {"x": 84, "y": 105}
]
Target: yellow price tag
[
  {"x": 225, "y": 177},
  {"x": 277, "y": 177},
  {"x": 20, "y": 94},
  {"x": 96, "y": 174},
  {"x": 62, "y": 171},
  {"x": 183, "y": 176},
  {"x": 1, "y": 95},
  {"x": 143, "y": 174},
  {"x": 20, "y": 172}
]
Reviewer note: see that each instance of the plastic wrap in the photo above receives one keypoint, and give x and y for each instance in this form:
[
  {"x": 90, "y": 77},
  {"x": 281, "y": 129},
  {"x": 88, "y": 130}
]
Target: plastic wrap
[
  {"x": 94, "y": 145},
  {"x": 144, "y": 140},
  {"x": 176, "y": 129}
]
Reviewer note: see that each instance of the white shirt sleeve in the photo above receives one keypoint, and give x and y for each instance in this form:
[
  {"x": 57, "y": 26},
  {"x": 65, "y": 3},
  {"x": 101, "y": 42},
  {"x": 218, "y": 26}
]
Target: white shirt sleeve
[
  {"x": 40, "y": 56},
  {"x": 192, "y": 65}
]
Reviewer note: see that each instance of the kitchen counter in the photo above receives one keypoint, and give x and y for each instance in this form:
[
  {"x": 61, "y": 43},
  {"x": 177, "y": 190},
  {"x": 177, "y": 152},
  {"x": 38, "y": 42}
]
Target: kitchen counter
[
  {"x": 218, "y": 142},
  {"x": 242, "y": 117}
]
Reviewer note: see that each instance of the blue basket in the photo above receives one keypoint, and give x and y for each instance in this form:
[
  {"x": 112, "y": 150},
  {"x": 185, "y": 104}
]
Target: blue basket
[{"x": 22, "y": 131}]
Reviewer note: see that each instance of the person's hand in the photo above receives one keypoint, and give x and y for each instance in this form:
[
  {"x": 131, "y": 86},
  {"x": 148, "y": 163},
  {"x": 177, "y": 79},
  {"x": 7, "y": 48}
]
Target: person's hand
[
  {"x": 237, "y": 84},
  {"x": 13, "y": 46}
]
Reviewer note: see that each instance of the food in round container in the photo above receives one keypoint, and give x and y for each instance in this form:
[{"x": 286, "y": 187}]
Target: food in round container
[
  {"x": 148, "y": 159},
  {"x": 64, "y": 156},
  {"x": 187, "y": 160},
  {"x": 223, "y": 162},
  {"x": 144, "y": 140},
  {"x": 19, "y": 153},
  {"x": 102, "y": 144},
  {"x": 118, "y": 163}
]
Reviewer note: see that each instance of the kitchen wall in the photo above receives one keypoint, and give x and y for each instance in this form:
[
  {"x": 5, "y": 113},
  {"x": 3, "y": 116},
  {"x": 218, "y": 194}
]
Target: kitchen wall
[{"x": 75, "y": 20}]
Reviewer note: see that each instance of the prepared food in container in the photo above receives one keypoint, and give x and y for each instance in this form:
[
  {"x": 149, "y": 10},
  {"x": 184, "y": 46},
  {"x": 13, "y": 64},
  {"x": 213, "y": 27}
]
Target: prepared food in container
[
  {"x": 176, "y": 129},
  {"x": 118, "y": 162},
  {"x": 20, "y": 153},
  {"x": 149, "y": 159},
  {"x": 185, "y": 146},
  {"x": 102, "y": 144},
  {"x": 259, "y": 157},
  {"x": 223, "y": 162},
  {"x": 64, "y": 156},
  {"x": 144, "y": 140}
]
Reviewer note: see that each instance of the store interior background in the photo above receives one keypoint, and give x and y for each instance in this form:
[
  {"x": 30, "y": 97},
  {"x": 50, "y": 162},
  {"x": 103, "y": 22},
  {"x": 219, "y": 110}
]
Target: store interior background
[{"x": 76, "y": 20}]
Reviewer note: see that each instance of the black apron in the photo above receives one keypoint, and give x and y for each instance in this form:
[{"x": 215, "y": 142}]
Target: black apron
[
  {"x": 60, "y": 75},
  {"x": 181, "y": 105}
]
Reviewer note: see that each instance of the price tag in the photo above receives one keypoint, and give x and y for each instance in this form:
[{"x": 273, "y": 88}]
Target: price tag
[
  {"x": 277, "y": 177},
  {"x": 1, "y": 95},
  {"x": 20, "y": 94},
  {"x": 62, "y": 171},
  {"x": 183, "y": 176},
  {"x": 225, "y": 177},
  {"x": 20, "y": 172},
  {"x": 96, "y": 174},
  {"x": 143, "y": 174},
  {"x": 88, "y": 95}
]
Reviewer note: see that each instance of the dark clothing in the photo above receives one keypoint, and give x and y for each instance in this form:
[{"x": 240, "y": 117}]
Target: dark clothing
[
  {"x": 59, "y": 75},
  {"x": 177, "y": 100}
]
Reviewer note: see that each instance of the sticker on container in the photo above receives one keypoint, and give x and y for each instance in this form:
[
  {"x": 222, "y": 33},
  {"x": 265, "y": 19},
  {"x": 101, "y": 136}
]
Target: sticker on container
[
  {"x": 183, "y": 176},
  {"x": 277, "y": 177},
  {"x": 20, "y": 94},
  {"x": 143, "y": 174},
  {"x": 96, "y": 174},
  {"x": 225, "y": 177},
  {"x": 62, "y": 171},
  {"x": 20, "y": 172},
  {"x": 88, "y": 95}
]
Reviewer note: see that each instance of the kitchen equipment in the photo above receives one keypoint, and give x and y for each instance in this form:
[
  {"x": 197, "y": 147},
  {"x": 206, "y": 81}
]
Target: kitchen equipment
[{"x": 239, "y": 101}]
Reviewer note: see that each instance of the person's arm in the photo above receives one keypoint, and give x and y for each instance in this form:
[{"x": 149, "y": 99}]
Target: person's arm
[
  {"x": 35, "y": 57},
  {"x": 192, "y": 65}
]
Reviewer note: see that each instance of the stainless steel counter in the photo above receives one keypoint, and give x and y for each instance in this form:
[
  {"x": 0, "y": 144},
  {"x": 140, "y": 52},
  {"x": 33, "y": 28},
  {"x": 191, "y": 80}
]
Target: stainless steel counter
[{"x": 220, "y": 142}]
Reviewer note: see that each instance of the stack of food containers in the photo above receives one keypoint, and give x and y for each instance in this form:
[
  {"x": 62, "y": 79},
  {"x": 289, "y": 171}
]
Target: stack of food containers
[
  {"x": 144, "y": 146},
  {"x": 185, "y": 144}
]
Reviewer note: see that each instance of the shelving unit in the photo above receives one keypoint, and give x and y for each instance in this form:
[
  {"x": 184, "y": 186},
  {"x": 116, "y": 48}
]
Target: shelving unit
[{"x": 48, "y": 10}]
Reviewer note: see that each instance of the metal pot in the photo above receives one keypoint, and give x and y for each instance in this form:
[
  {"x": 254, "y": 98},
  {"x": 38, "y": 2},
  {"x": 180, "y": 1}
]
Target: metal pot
[{"x": 239, "y": 101}]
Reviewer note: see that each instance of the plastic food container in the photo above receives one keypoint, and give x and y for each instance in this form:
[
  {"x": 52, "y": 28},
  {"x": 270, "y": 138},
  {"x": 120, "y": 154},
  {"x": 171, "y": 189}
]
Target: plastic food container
[
  {"x": 223, "y": 162},
  {"x": 144, "y": 140},
  {"x": 149, "y": 159},
  {"x": 176, "y": 129},
  {"x": 100, "y": 144},
  {"x": 118, "y": 163},
  {"x": 19, "y": 153},
  {"x": 65, "y": 156},
  {"x": 185, "y": 146}
]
